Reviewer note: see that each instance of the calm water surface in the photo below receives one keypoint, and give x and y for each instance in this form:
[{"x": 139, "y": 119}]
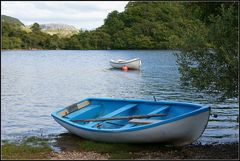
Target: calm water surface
[{"x": 36, "y": 83}]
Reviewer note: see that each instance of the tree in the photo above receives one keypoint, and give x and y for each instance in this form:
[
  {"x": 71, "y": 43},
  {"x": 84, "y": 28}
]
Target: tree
[
  {"x": 5, "y": 42},
  {"x": 113, "y": 23},
  {"x": 100, "y": 40},
  {"x": 35, "y": 27},
  {"x": 208, "y": 59}
]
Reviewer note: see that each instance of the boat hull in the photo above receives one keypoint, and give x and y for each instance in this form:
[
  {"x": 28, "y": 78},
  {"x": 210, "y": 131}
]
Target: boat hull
[
  {"x": 180, "y": 132},
  {"x": 131, "y": 64}
]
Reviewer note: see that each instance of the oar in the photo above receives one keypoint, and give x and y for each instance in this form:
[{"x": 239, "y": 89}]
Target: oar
[{"x": 120, "y": 118}]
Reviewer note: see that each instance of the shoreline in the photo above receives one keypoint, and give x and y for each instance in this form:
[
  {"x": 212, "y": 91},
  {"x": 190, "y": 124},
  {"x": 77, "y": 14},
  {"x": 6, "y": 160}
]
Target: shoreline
[
  {"x": 85, "y": 49},
  {"x": 218, "y": 151},
  {"x": 71, "y": 147}
]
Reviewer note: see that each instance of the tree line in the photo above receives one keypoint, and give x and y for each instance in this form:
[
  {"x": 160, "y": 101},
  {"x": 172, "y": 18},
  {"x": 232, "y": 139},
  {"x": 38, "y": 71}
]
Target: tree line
[
  {"x": 13, "y": 37},
  {"x": 142, "y": 25}
]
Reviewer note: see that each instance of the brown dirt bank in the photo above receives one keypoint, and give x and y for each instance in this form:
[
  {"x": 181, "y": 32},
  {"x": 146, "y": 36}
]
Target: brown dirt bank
[{"x": 219, "y": 151}]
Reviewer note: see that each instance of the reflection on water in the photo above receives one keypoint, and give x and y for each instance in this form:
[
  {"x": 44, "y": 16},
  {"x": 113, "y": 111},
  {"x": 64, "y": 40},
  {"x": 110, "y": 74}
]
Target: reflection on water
[{"x": 36, "y": 83}]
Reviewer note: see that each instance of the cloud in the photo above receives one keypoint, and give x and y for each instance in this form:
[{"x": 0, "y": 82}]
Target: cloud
[{"x": 81, "y": 14}]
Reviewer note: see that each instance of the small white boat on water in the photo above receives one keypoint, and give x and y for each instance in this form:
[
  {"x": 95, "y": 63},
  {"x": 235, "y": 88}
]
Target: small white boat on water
[{"x": 131, "y": 64}]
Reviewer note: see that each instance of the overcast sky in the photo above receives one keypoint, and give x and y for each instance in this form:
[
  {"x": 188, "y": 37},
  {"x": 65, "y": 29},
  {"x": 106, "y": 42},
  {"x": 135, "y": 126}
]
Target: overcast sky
[{"x": 81, "y": 14}]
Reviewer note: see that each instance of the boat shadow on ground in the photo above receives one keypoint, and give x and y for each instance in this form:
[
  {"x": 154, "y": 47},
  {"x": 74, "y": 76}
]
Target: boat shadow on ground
[
  {"x": 68, "y": 141},
  {"x": 71, "y": 142}
]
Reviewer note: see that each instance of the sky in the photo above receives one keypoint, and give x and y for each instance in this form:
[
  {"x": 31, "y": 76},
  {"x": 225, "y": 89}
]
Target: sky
[{"x": 80, "y": 14}]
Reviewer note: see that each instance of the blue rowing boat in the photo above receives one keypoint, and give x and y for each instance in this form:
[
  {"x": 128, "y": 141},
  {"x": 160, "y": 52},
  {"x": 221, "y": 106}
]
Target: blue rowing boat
[{"x": 134, "y": 121}]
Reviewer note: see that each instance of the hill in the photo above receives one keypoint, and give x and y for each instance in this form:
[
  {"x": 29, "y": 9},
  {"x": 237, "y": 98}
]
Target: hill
[
  {"x": 11, "y": 20},
  {"x": 62, "y": 30}
]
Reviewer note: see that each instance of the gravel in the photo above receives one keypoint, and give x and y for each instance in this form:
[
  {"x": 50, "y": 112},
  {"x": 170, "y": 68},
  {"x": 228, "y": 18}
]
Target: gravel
[
  {"x": 219, "y": 151},
  {"x": 78, "y": 155}
]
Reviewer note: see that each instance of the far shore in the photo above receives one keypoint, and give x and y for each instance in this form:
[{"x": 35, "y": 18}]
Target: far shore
[{"x": 81, "y": 49}]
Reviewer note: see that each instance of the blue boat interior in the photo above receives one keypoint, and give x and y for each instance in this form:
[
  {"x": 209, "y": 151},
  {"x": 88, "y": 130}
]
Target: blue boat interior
[{"x": 110, "y": 108}]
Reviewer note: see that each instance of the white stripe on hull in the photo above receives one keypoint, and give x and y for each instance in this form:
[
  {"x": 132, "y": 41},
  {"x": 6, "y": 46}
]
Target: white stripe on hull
[{"x": 180, "y": 132}]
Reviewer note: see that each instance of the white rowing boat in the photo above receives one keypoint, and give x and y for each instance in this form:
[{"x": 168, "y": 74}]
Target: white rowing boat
[{"x": 131, "y": 64}]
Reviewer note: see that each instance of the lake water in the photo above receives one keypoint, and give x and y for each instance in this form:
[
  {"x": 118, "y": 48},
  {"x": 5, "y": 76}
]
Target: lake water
[{"x": 36, "y": 83}]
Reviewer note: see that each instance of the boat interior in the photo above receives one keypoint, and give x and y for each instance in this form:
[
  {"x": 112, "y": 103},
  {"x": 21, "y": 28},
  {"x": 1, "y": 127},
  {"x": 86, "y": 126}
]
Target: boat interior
[{"x": 87, "y": 113}]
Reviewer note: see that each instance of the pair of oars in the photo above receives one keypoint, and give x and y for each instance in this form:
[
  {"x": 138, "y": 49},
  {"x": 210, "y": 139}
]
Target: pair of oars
[{"x": 120, "y": 118}]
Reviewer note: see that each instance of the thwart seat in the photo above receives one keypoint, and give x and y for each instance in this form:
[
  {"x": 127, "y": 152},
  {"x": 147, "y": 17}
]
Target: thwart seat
[
  {"x": 114, "y": 113},
  {"x": 133, "y": 122}
]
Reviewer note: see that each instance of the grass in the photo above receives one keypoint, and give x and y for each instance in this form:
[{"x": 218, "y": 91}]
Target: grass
[
  {"x": 119, "y": 151},
  {"x": 115, "y": 151},
  {"x": 28, "y": 148},
  {"x": 38, "y": 148}
]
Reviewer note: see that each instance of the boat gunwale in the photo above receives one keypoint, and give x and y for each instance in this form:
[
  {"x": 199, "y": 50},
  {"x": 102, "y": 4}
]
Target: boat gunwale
[
  {"x": 125, "y": 61},
  {"x": 203, "y": 108}
]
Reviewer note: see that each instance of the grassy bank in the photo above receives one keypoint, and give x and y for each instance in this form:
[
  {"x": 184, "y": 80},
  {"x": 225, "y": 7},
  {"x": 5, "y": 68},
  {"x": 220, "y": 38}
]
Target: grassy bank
[
  {"x": 28, "y": 148},
  {"x": 74, "y": 147},
  {"x": 158, "y": 151},
  {"x": 122, "y": 151}
]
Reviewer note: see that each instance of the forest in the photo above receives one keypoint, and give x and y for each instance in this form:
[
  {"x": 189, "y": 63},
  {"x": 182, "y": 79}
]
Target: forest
[
  {"x": 206, "y": 33},
  {"x": 143, "y": 25}
]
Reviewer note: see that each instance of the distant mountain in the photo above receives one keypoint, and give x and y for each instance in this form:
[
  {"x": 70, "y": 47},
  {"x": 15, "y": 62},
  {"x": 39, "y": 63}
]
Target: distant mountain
[
  {"x": 11, "y": 20},
  {"x": 55, "y": 26},
  {"x": 63, "y": 30}
]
